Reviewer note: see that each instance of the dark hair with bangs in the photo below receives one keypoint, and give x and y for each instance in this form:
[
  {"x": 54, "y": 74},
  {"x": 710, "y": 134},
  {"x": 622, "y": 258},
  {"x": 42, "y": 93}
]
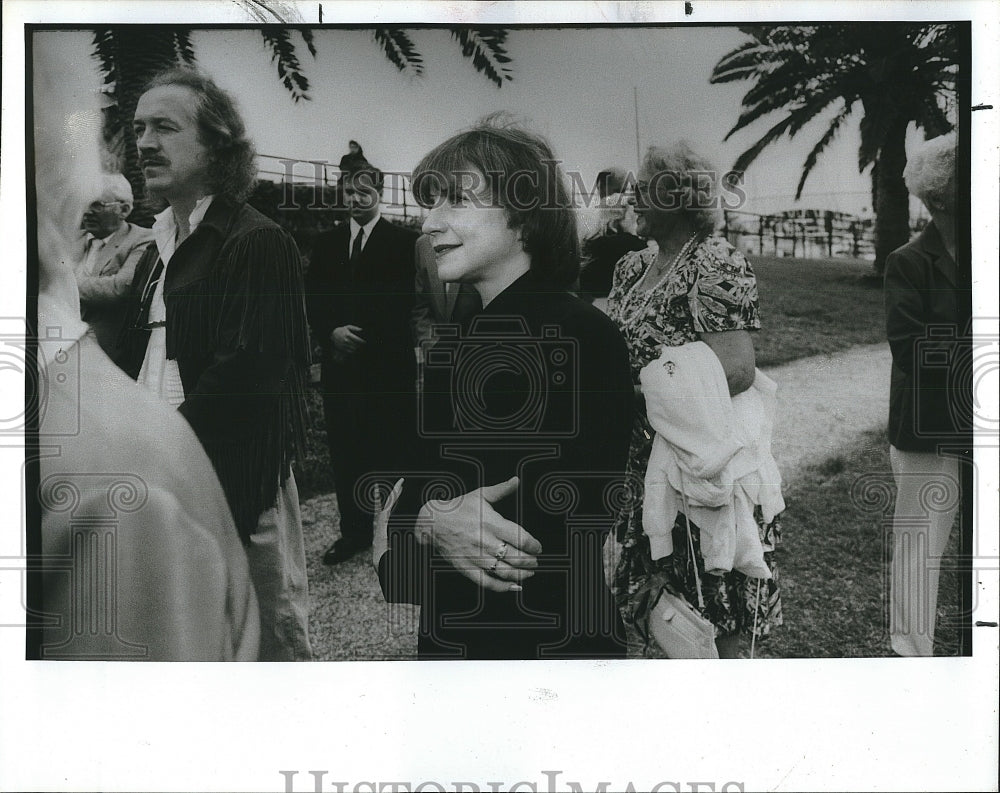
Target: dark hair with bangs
[
  {"x": 524, "y": 178},
  {"x": 233, "y": 167}
]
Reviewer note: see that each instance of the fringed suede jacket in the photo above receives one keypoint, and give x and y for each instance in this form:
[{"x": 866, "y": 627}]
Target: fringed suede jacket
[{"x": 237, "y": 329}]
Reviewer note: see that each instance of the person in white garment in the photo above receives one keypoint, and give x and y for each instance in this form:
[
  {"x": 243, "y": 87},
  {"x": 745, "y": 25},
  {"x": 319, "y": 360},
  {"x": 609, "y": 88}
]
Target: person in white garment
[{"x": 218, "y": 329}]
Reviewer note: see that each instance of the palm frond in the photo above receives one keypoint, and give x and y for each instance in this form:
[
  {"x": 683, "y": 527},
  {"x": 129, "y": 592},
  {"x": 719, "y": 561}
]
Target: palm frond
[
  {"x": 287, "y": 61},
  {"x": 105, "y": 51},
  {"x": 751, "y": 154},
  {"x": 307, "y": 37},
  {"x": 740, "y": 64},
  {"x": 813, "y": 109},
  {"x": 933, "y": 118},
  {"x": 486, "y": 48},
  {"x": 271, "y": 11},
  {"x": 791, "y": 100},
  {"x": 820, "y": 147},
  {"x": 183, "y": 48},
  {"x": 399, "y": 49},
  {"x": 875, "y": 125}
]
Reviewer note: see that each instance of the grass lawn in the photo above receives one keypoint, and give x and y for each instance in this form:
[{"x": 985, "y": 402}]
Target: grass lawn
[
  {"x": 813, "y": 306},
  {"x": 832, "y": 565}
]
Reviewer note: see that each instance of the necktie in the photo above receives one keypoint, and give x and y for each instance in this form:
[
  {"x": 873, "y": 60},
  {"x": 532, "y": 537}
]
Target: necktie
[
  {"x": 468, "y": 303},
  {"x": 356, "y": 251},
  {"x": 94, "y": 248},
  {"x": 146, "y": 298}
]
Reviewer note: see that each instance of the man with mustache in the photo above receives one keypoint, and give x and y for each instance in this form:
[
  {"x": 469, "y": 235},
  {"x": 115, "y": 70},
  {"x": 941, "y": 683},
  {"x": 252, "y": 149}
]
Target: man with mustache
[
  {"x": 219, "y": 331},
  {"x": 113, "y": 248}
]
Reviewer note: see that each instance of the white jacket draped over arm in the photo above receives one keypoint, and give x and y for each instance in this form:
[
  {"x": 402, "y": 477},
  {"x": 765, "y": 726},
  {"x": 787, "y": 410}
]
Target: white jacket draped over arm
[{"x": 713, "y": 452}]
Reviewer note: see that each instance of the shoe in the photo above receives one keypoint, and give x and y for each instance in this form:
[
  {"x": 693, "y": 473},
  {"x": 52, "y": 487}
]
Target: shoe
[{"x": 342, "y": 550}]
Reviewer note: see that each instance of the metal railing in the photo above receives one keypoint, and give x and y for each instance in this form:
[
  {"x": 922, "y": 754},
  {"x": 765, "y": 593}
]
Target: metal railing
[
  {"x": 804, "y": 233},
  {"x": 801, "y": 233},
  {"x": 324, "y": 178}
]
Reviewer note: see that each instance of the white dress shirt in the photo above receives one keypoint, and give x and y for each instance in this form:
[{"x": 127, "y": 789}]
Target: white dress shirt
[
  {"x": 160, "y": 374},
  {"x": 356, "y": 227}
]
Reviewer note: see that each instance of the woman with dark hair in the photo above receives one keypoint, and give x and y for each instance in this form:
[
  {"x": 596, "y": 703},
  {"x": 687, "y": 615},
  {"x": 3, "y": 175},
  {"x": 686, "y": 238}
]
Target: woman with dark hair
[
  {"x": 525, "y": 419},
  {"x": 691, "y": 287}
]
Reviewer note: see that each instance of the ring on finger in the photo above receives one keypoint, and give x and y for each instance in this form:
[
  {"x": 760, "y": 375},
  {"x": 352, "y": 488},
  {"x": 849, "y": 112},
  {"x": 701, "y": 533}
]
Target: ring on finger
[
  {"x": 493, "y": 567},
  {"x": 501, "y": 552}
]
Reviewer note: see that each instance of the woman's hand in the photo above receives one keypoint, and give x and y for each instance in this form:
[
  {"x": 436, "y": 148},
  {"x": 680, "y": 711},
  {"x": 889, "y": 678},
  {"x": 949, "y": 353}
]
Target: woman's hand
[
  {"x": 485, "y": 547},
  {"x": 734, "y": 349}
]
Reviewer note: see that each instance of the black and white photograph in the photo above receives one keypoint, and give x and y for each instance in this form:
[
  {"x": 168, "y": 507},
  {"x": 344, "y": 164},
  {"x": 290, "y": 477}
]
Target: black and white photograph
[{"x": 637, "y": 363}]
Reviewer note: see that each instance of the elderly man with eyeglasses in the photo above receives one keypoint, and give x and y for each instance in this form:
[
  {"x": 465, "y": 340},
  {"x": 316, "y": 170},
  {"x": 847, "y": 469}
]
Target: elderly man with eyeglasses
[{"x": 113, "y": 248}]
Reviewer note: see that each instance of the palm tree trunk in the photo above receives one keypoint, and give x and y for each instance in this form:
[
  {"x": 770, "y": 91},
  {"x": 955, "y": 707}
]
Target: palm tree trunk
[{"x": 892, "y": 208}]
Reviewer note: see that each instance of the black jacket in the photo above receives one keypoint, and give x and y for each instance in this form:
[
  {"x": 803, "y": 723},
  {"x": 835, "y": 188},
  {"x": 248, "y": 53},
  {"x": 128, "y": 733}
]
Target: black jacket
[
  {"x": 600, "y": 255},
  {"x": 237, "y": 329},
  {"x": 378, "y": 298},
  {"x": 930, "y": 390},
  {"x": 538, "y": 386}
]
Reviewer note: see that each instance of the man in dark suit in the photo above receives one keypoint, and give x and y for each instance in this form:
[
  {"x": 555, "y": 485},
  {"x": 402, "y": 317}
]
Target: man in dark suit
[{"x": 360, "y": 288}]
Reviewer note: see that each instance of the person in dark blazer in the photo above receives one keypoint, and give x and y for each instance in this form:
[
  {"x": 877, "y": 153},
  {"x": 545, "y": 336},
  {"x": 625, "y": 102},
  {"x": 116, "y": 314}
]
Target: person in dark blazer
[
  {"x": 608, "y": 236},
  {"x": 930, "y": 391},
  {"x": 217, "y": 328},
  {"x": 360, "y": 299},
  {"x": 497, "y": 529}
]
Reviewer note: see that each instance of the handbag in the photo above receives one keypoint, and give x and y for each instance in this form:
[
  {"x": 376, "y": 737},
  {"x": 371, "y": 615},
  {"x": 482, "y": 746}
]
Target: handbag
[{"x": 679, "y": 628}]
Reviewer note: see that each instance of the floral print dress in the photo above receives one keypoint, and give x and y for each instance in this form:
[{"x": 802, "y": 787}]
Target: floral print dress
[{"x": 710, "y": 289}]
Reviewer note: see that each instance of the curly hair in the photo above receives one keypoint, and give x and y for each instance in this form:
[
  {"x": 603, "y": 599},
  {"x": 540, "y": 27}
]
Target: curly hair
[
  {"x": 690, "y": 179},
  {"x": 524, "y": 178},
  {"x": 233, "y": 167},
  {"x": 930, "y": 172}
]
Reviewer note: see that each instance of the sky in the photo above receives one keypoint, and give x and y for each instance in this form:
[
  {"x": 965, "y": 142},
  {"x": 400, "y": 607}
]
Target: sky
[{"x": 573, "y": 85}]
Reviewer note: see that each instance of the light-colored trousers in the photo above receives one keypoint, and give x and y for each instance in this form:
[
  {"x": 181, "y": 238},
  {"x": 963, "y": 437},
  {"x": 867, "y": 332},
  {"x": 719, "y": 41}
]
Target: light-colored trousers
[
  {"x": 278, "y": 569},
  {"x": 927, "y": 498}
]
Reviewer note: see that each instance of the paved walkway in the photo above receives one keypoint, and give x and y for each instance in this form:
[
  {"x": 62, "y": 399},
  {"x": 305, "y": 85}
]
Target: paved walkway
[{"x": 826, "y": 401}]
